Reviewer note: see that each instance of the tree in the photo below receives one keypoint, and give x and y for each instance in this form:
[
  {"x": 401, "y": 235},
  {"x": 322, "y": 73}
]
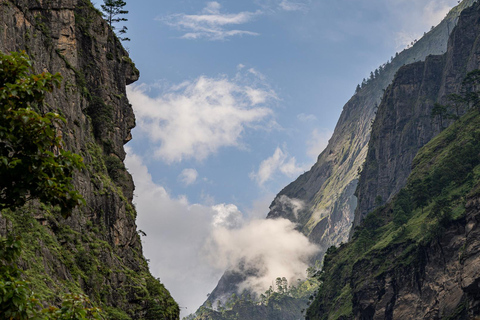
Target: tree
[
  {"x": 357, "y": 89},
  {"x": 458, "y": 101},
  {"x": 471, "y": 88},
  {"x": 33, "y": 162},
  {"x": 440, "y": 112},
  {"x": 278, "y": 283},
  {"x": 112, "y": 10}
]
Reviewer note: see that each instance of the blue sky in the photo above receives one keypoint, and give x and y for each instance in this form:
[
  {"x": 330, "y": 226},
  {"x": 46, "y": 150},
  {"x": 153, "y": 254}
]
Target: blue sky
[{"x": 234, "y": 101}]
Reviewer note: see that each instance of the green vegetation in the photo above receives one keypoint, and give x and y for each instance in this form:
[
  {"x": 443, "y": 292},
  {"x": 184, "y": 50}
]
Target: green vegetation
[
  {"x": 33, "y": 162},
  {"x": 33, "y": 166},
  {"x": 64, "y": 259},
  {"x": 445, "y": 173},
  {"x": 285, "y": 301}
]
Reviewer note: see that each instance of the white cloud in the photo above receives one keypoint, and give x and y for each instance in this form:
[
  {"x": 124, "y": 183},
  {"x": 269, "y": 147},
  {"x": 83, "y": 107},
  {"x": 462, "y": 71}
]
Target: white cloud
[
  {"x": 292, "y": 6},
  {"x": 196, "y": 118},
  {"x": 190, "y": 245},
  {"x": 227, "y": 216},
  {"x": 280, "y": 161},
  {"x": 188, "y": 176},
  {"x": 272, "y": 247},
  {"x": 210, "y": 23},
  {"x": 291, "y": 204},
  {"x": 318, "y": 142},
  {"x": 306, "y": 117}
]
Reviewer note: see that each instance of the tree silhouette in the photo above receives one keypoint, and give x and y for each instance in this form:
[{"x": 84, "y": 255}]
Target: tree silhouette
[{"x": 113, "y": 9}]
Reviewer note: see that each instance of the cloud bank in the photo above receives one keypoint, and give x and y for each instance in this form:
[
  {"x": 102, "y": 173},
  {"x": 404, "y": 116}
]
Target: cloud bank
[
  {"x": 196, "y": 118},
  {"x": 273, "y": 247}
]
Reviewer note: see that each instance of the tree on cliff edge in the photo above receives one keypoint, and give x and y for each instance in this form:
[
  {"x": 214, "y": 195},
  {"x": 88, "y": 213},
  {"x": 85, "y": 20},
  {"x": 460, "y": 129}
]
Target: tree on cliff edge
[{"x": 112, "y": 11}]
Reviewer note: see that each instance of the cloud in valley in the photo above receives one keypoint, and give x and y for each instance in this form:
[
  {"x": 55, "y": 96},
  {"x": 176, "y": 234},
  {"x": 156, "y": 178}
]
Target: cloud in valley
[
  {"x": 210, "y": 23},
  {"x": 196, "y": 118},
  {"x": 279, "y": 162},
  {"x": 190, "y": 245},
  {"x": 273, "y": 247}
]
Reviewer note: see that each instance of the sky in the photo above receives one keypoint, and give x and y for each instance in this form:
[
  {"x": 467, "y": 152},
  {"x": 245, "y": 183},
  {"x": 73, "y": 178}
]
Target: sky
[{"x": 235, "y": 100}]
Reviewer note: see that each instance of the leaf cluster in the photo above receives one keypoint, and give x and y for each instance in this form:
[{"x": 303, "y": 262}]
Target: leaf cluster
[{"x": 33, "y": 162}]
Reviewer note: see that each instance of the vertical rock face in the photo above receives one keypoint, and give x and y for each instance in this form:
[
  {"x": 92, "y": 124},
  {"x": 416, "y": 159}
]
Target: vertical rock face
[
  {"x": 441, "y": 282},
  {"x": 97, "y": 249},
  {"x": 404, "y": 123},
  {"x": 426, "y": 266}
]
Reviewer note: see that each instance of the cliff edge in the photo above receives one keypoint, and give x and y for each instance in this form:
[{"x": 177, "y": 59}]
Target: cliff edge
[{"x": 97, "y": 250}]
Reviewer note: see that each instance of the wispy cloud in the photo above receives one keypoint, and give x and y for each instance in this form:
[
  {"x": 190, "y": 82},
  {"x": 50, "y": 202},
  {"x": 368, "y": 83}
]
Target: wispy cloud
[
  {"x": 196, "y": 118},
  {"x": 281, "y": 162},
  {"x": 306, "y": 117},
  {"x": 419, "y": 18},
  {"x": 284, "y": 5},
  {"x": 293, "y": 5},
  {"x": 210, "y": 23},
  {"x": 188, "y": 176}
]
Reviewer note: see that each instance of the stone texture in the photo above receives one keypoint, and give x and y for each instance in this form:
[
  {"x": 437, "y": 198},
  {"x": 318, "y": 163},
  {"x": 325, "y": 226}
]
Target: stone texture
[
  {"x": 70, "y": 37},
  {"x": 403, "y": 123}
]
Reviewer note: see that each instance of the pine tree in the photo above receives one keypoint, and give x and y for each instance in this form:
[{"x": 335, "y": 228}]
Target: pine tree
[{"x": 112, "y": 9}]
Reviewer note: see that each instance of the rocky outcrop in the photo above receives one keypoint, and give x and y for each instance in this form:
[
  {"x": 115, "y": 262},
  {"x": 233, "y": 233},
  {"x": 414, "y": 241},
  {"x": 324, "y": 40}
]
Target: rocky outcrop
[
  {"x": 404, "y": 123},
  {"x": 442, "y": 282},
  {"x": 97, "y": 250}
]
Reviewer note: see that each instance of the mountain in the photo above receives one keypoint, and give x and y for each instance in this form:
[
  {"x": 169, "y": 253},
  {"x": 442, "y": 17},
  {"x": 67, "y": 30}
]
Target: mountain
[
  {"x": 414, "y": 250},
  {"x": 97, "y": 250},
  {"x": 327, "y": 191}
]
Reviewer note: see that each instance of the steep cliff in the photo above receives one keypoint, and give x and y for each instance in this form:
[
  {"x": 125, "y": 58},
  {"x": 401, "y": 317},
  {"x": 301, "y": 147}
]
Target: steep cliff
[
  {"x": 404, "y": 123},
  {"x": 326, "y": 191},
  {"x": 414, "y": 255},
  {"x": 97, "y": 250}
]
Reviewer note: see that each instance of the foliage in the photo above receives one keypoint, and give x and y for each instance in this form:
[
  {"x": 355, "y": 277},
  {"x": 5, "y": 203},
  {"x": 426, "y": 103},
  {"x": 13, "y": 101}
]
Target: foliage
[
  {"x": 33, "y": 166},
  {"x": 33, "y": 163},
  {"x": 112, "y": 10},
  {"x": 18, "y": 302}
]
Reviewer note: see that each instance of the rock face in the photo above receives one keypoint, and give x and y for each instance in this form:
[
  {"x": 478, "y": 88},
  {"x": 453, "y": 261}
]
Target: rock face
[
  {"x": 443, "y": 282},
  {"x": 97, "y": 250},
  {"x": 425, "y": 266},
  {"x": 404, "y": 123},
  {"x": 326, "y": 191}
]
